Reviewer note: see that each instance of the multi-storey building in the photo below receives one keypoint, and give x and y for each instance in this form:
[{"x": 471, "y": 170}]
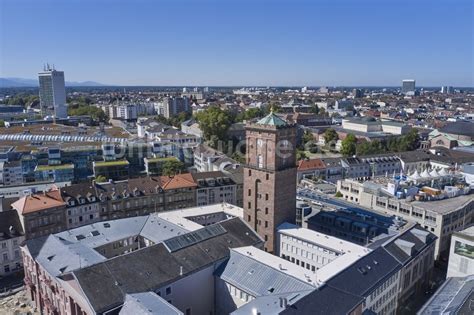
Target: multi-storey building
[
  {"x": 441, "y": 217},
  {"x": 64, "y": 270},
  {"x": 384, "y": 276},
  {"x": 11, "y": 173},
  {"x": 171, "y": 106},
  {"x": 41, "y": 214},
  {"x": 461, "y": 253},
  {"x": 82, "y": 205},
  {"x": 52, "y": 93},
  {"x": 270, "y": 176},
  {"x": 11, "y": 236},
  {"x": 214, "y": 187}
]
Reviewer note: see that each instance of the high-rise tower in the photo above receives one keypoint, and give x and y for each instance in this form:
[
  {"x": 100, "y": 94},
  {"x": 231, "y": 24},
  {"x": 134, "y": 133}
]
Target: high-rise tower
[
  {"x": 52, "y": 93},
  {"x": 270, "y": 176}
]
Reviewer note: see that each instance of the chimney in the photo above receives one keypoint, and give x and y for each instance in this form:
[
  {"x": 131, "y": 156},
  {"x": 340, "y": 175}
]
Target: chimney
[{"x": 283, "y": 302}]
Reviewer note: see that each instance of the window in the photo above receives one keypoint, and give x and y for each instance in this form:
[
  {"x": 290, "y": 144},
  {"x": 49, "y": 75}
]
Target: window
[
  {"x": 267, "y": 176},
  {"x": 249, "y": 218},
  {"x": 260, "y": 161},
  {"x": 266, "y": 210},
  {"x": 266, "y": 237},
  {"x": 266, "y": 224},
  {"x": 168, "y": 290}
]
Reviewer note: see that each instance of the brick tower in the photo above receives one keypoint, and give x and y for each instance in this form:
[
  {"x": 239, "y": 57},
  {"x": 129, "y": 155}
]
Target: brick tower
[{"x": 270, "y": 176}]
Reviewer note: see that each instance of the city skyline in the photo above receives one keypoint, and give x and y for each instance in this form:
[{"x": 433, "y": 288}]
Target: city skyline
[{"x": 241, "y": 43}]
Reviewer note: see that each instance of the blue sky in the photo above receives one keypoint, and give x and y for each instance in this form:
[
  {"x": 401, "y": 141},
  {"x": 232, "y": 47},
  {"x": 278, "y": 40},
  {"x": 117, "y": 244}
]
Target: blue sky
[{"x": 227, "y": 42}]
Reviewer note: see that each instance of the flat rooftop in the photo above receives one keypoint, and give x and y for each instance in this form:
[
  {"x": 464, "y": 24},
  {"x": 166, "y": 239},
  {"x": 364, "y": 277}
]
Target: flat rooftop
[
  {"x": 445, "y": 205},
  {"x": 183, "y": 217},
  {"x": 322, "y": 240}
]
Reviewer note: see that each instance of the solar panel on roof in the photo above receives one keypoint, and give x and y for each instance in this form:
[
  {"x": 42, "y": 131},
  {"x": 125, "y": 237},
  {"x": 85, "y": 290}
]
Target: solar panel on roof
[
  {"x": 80, "y": 237},
  {"x": 191, "y": 238},
  {"x": 95, "y": 233}
]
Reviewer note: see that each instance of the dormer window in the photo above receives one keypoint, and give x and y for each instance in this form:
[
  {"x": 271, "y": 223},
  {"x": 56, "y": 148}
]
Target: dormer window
[
  {"x": 82, "y": 200},
  {"x": 71, "y": 202}
]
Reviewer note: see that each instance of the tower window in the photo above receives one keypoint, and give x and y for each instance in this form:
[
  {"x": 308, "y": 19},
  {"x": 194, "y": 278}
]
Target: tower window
[
  {"x": 266, "y": 224},
  {"x": 249, "y": 218},
  {"x": 250, "y": 205},
  {"x": 266, "y": 196},
  {"x": 268, "y": 177},
  {"x": 250, "y": 192},
  {"x": 260, "y": 161},
  {"x": 266, "y": 237},
  {"x": 266, "y": 210},
  {"x": 250, "y": 172}
]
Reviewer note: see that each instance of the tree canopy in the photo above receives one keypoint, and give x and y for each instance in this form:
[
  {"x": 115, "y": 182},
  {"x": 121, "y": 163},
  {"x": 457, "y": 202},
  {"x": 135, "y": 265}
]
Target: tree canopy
[
  {"x": 172, "y": 167},
  {"x": 349, "y": 145},
  {"x": 214, "y": 123},
  {"x": 79, "y": 110},
  {"x": 408, "y": 142},
  {"x": 330, "y": 135}
]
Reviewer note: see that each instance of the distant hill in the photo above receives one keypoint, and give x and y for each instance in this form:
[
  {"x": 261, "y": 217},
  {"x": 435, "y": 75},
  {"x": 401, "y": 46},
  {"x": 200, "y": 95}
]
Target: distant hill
[{"x": 21, "y": 82}]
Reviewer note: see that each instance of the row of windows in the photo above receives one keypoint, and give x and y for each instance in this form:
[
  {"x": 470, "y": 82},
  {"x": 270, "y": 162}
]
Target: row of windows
[
  {"x": 300, "y": 263},
  {"x": 236, "y": 292},
  {"x": 384, "y": 286}
]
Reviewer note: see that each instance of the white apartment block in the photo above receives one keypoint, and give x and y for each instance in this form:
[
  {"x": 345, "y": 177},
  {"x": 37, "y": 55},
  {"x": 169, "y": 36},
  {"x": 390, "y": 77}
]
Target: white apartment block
[{"x": 461, "y": 253}]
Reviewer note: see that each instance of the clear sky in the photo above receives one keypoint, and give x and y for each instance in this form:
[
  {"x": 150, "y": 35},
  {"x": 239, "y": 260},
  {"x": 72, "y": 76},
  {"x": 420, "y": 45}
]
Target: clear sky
[{"x": 241, "y": 42}]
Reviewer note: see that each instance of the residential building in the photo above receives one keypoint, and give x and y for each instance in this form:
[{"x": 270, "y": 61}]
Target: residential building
[
  {"x": 269, "y": 176},
  {"x": 204, "y": 157},
  {"x": 11, "y": 236},
  {"x": 214, "y": 187},
  {"x": 54, "y": 173},
  {"x": 82, "y": 204},
  {"x": 52, "y": 93},
  {"x": 461, "y": 253},
  {"x": 62, "y": 270},
  {"x": 313, "y": 168},
  {"x": 154, "y": 166},
  {"x": 179, "y": 191},
  {"x": 41, "y": 214},
  {"x": 11, "y": 173},
  {"x": 171, "y": 106},
  {"x": 114, "y": 170}
]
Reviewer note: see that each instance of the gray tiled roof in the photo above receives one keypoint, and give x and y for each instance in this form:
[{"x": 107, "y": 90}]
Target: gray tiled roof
[
  {"x": 147, "y": 303},
  {"x": 150, "y": 268},
  {"x": 258, "y": 279}
]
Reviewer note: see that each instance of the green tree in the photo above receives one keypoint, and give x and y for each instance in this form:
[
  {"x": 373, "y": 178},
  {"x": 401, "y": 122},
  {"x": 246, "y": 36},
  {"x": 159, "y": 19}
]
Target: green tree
[
  {"x": 338, "y": 194},
  {"x": 2, "y": 123},
  {"x": 301, "y": 155},
  {"x": 314, "y": 109},
  {"x": 249, "y": 114},
  {"x": 172, "y": 167},
  {"x": 214, "y": 122},
  {"x": 95, "y": 112},
  {"x": 330, "y": 135},
  {"x": 349, "y": 145},
  {"x": 307, "y": 137}
]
